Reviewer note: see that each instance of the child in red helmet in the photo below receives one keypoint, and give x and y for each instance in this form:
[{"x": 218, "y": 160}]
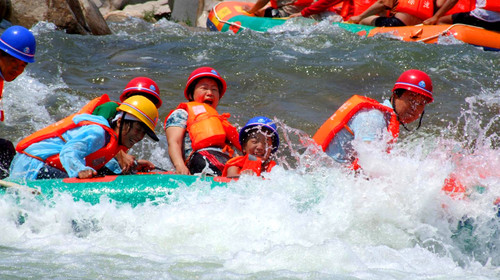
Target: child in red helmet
[
  {"x": 259, "y": 140},
  {"x": 365, "y": 119},
  {"x": 126, "y": 163},
  {"x": 197, "y": 135}
]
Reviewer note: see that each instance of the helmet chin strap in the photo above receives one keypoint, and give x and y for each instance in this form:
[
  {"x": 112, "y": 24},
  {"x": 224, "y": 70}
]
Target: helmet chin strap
[
  {"x": 399, "y": 120},
  {"x": 121, "y": 128}
]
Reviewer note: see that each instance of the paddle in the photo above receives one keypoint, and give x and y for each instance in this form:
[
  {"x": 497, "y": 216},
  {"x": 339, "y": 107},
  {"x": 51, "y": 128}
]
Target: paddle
[{"x": 7, "y": 184}]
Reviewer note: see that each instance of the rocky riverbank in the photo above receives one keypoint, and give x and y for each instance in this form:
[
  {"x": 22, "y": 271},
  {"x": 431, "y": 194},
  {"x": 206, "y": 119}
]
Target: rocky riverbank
[{"x": 90, "y": 17}]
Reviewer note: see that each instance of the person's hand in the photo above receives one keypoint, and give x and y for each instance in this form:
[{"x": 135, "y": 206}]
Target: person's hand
[
  {"x": 246, "y": 8},
  {"x": 143, "y": 165},
  {"x": 354, "y": 19},
  {"x": 183, "y": 170},
  {"x": 86, "y": 174},
  {"x": 126, "y": 161},
  {"x": 430, "y": 21},
  {"x": 295, "y": 15}
]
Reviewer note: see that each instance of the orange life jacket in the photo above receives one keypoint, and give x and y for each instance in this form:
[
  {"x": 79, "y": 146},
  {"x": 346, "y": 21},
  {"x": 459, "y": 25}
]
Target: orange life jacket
[
  {"x": 462, "y": 6},
  {"x": 245, "y": 163},
  {"x": 341, "y": 117},
  {"x": 95, "y": 160},
  {"x": 491, "y": 5},
  {"x": 207, "y": 128},
  {"x": 423, "y": 9},
  {"x": 304, "y": 3}
]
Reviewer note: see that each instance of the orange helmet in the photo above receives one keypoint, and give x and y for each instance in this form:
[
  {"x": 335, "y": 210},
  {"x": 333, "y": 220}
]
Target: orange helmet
[
  {"x": 204, "y": 72},
  {"x": 142, "y": 86},
  {"x": 416, "y": 81}
]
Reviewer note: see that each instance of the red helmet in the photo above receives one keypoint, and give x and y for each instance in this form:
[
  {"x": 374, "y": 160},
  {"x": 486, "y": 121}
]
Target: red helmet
[
  {"x": 143, "y": 86},
  {"x": 204, "y": 72},
  {"x": 416, "y": 81}
]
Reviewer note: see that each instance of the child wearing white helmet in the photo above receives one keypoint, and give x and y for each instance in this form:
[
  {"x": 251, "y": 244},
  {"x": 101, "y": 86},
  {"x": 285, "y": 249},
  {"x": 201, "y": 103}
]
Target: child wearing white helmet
[{"x": 259, "y": 140}]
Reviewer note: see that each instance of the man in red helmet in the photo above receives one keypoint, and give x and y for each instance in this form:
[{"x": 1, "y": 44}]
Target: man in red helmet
[
  {"x": 126, "y": 163},
  {"x": 17, "y": 49},
  {"x": 362, "y": 118}
]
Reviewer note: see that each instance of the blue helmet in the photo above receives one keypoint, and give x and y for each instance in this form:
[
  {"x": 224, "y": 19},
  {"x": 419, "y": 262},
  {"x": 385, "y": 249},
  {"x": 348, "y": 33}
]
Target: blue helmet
[
  {"x": 19, "y": 42},
  {"x": 261, "y": 122}
]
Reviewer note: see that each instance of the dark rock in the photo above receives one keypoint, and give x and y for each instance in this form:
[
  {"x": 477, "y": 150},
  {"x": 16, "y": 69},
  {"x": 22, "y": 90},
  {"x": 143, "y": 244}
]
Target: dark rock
[{"x": 74, "y": 16}]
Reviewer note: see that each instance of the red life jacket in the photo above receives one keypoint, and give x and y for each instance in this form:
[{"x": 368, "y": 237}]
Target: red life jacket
[
  {"x": 491, "y": 5},
  {"x": 207, "y": 128},
  {"x": 462, "y": 6},
  {"x": 423, "y": 9},
  {"x": 352, "y": 8},
  {"x": 244, "y": 163},
  {"x": 95, "y": 160},
  {"x": 304, "y": 3},
  {"x": 343, "y": 115}
]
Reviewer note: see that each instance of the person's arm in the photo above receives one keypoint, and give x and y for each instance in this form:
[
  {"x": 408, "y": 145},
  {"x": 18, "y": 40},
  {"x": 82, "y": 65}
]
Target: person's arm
[
  {"x": 84, "y": 141},
  {"x": 175, "y": 138},
  {"x": 233, "y": 172},
  {"x": 445, "y": 6},
  {"x": 369, "y": 125},
  {"x": 377, "y": 8},
  {"x": 318, "y": 7},
  {"x": 256, "y": 7}
]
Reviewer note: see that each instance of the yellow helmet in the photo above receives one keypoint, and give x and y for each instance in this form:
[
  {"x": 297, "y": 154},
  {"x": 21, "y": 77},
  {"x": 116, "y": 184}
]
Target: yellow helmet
[{"x": 144, "y": 110}]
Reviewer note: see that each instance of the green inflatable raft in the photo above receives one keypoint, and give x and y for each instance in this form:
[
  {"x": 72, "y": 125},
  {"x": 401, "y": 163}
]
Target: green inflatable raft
[{"x": 132, "y": 189}]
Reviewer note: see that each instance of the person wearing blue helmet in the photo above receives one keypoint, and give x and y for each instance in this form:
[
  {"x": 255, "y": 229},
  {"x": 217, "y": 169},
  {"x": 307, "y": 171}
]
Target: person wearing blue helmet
[
  {"x": 17, "y": 49},
  {"x": 259, "y": 140}
]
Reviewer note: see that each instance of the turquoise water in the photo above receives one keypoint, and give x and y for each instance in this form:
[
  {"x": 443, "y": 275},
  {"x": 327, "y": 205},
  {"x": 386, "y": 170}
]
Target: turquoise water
[{"x": 310, "y": 219}]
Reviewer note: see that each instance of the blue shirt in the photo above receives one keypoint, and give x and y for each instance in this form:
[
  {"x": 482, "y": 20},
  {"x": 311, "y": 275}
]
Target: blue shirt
[
  {"x": 367, "y": 125},
  {"x": 80, "y": 142}
]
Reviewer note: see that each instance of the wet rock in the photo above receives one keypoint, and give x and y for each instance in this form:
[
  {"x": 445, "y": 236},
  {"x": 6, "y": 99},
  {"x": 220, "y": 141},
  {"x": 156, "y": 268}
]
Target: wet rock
[
  {"x": 74, "y": 16},
  {"x": 187, "y": 11},
  {"x": 5, "y": 9},
  {"x": 107, "y": 6},
  {"x": 150, "y": 11}
]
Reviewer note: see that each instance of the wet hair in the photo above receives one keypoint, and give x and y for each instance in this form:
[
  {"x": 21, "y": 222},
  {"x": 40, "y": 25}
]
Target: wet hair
[
  {"x": 190, "y": 90},
  {"x": 399, "y": 92}
]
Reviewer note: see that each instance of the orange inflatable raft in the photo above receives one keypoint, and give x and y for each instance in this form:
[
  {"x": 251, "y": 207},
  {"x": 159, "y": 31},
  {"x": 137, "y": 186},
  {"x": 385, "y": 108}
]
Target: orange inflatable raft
[{"x": 230, "y": 16}]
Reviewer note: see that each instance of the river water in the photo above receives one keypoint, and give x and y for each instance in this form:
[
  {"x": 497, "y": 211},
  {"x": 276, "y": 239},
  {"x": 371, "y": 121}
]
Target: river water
[{"x": 310, "y": 218}]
